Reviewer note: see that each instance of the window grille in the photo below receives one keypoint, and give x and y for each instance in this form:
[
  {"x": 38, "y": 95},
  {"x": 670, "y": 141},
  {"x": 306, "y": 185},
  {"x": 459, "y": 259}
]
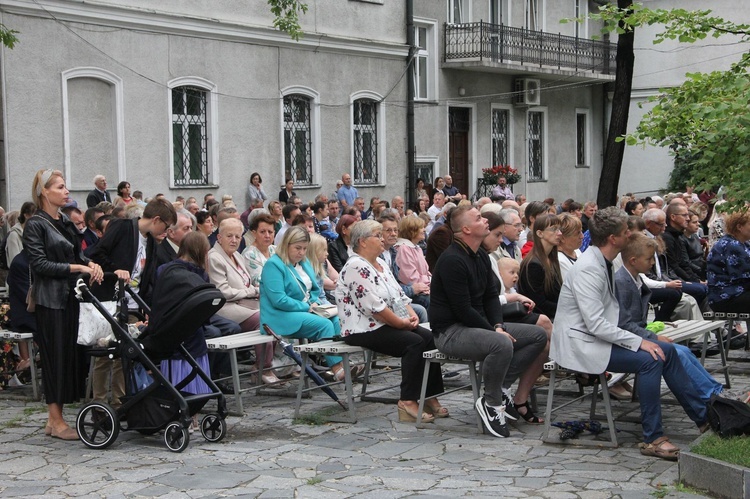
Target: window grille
[
  {"x": 536, "y": 145},
  {"x": 190, "y": 136},
  {"x": 297, "y": 139},
  {"x": 500, "y": 137},
  {"x": 365, "y": 141}
]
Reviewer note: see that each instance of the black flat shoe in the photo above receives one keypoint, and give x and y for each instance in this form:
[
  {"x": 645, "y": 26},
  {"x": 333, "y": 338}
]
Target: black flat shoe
[{"x": 529, "y": 415}]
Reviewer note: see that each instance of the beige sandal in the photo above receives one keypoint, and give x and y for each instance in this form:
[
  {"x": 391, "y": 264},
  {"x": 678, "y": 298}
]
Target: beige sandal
[{"x": 656, "y": 449}]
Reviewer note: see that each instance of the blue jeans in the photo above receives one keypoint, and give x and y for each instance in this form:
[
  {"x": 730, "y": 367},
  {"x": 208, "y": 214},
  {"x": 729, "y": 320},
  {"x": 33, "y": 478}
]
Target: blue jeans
[
  {"x": 650, "y": 372},
  {"x": 696, "y": 290},
  {"x": 703, "y": 382}
]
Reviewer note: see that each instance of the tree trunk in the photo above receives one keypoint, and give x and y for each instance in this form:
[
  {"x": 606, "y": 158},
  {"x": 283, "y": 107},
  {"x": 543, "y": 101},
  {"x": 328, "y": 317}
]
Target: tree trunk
[{"x": 618, "y": 123}]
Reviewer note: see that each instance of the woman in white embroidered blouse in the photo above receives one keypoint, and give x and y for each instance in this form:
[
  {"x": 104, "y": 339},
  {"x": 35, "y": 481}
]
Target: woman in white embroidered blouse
[
  {"x": 376, "y": 314},
  {"x": 257, "y": 254}
]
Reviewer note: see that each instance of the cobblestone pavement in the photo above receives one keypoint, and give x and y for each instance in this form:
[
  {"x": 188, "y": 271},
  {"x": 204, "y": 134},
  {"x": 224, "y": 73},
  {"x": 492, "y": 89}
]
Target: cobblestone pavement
[{"x": 268, "y": 454}]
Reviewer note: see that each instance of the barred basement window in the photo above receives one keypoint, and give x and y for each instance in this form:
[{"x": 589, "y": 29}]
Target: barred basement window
[
  {"x": 297, "y": 139},
  {"x": 365, "y": 141},
  {"x": 536, "y": 145},
  {"x": 500, "y": 137},
  {"x": 189, "y": 136}
]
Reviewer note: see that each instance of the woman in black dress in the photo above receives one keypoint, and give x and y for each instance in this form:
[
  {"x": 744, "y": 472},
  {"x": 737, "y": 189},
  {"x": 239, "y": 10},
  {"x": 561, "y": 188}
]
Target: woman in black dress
[{"x": 56, "y": 260}]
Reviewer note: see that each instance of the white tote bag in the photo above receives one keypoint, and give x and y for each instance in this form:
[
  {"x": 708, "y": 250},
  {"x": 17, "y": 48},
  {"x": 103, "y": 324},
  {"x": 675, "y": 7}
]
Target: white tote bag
[{"x": 91, "y": 323}]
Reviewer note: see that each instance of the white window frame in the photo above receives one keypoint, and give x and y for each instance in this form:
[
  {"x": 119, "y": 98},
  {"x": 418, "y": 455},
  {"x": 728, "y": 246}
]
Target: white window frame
[
  {"x": 382, "y": 134},
  {"x": 509, "y": 138},
  {"x": 586, "y": 138},
  {"x": 315, "y": 132},
  {"x": 430, "y": 54},
  {"x": 581, "y": 9},
  {"x": 544, "y": 142},
  {"x": 119, "y": 113},
  {"x": 503, "y": 7},
  {"x": 540, "y": 23},
  {"x": 465, "y": 9},
  {"x": 212, "y": 123}
]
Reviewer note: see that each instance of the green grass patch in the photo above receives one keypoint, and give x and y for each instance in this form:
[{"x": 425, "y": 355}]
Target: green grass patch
[
  {"x": 734, "y": 450},
  {"x": 314, "y": 480},
  {"x": 316, "y": 418}
]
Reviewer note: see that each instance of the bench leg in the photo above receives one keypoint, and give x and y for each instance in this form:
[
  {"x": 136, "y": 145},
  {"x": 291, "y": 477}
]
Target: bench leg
[
  {"x": 34, "y": 374},
  {"x": 423, "y": 393},
  {"x": 369, "y": 358},
  {"x": 723, "y": 356},
  {"x": 475, "y": 377},
  {"x": 236, "y": 380},
  {"x": 301, "y": 385},
  {"x": 548, "y": 411},
  {"x": 349, "y": 388}
]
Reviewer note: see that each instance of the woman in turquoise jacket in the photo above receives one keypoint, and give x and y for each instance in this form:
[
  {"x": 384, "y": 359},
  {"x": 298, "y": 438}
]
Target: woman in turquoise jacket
[{"x": 288, "y": 290}]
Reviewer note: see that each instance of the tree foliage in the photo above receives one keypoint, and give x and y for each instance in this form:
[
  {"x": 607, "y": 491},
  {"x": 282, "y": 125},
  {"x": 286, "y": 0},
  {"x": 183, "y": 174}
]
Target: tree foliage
[
  {"x": 8, "y": 36},
  {"x": 287, "y": 14},
  {"x": 706, "y": 120}
]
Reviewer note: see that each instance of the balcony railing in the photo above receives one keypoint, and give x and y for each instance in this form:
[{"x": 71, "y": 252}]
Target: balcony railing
[{"x": 505, "y": 44}]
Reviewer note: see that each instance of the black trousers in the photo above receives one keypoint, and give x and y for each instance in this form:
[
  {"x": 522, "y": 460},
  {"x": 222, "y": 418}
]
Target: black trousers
[
  {"x": 738, "y": 304},
  {"x": 409, "y": 345},
  {"x": 668, "y": 298}
]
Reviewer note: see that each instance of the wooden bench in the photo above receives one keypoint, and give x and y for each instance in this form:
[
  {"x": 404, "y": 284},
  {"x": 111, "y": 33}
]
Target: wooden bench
[
  {"x": 29, "y": 339},
  {"x": 230, "y": 345},
  {"x": 475, "y": 379},
  {"x": 683, "y": 331},
  {"x": 731, "y": 318},
  {"x": 329, "y": 347}
]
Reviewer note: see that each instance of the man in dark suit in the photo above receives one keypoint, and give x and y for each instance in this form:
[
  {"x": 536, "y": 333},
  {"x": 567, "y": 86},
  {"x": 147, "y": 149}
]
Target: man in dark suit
[
  {"x": 167, "y": 250},
  {"x": 128, "y": 248},
  {"x": 99, "y": 193}
]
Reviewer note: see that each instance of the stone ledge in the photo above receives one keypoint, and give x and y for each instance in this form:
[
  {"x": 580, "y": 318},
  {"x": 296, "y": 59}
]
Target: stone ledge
[{"x": 718, "y": 477}]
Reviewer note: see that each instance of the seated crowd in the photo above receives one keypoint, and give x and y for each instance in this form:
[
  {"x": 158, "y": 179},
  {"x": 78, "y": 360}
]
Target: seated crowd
[{"x": 511, "y": 285}]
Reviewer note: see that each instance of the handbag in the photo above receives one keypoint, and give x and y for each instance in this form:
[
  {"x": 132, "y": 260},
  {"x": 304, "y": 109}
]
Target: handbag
[
  {"x": 326, "y": 311},
  {"x": 92, "y": 325},
  {"x": 514, "y": 310}
]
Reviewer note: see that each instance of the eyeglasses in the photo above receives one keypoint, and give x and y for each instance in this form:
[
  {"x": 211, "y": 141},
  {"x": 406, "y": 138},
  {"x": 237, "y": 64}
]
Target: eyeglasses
[
  {"x": 518, "y": 225},
  {"x": 379, "y": 236},
  {"x": 553, "y": 229}
]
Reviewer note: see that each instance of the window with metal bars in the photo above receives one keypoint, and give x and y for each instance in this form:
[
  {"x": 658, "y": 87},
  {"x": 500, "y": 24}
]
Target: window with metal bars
[
  {"x": 365, "y": 141},
  {"x": 297, "y": 139},
  {"x": 500, "y": 137},
  {"x": 536, "y": 145},
  {"x": 190, "y": 136}
]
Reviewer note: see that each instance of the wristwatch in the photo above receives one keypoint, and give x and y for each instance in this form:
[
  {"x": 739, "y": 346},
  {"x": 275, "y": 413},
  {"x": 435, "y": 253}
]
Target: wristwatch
[{"x": 500, "y": 325}]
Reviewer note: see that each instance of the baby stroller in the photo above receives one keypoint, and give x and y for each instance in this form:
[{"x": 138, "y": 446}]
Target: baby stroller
[{"x": 182, "y": 302}]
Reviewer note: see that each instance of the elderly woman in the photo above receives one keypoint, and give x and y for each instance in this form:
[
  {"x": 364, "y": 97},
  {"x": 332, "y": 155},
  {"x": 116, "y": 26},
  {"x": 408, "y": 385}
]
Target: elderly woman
[
  {"x": 728, "y": 266},
  {"x": 338, "y": 249},
  {"x": 412, "y": 265},
  {"x": 288, "y": 292},
  {"x": 376, "y": 314},
  {"x": 572, "y": 236},
  {"x": 540, "y": 277},
  {"x": 204, "y": 223},
  {"x": 55, "y": 259},
  {"x": 261, "y": 249},
  {"x": 227, "y": 271}
]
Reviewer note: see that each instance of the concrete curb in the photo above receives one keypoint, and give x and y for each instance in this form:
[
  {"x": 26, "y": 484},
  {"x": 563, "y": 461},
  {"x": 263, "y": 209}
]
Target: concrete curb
[{"x": 719, "y": 478}]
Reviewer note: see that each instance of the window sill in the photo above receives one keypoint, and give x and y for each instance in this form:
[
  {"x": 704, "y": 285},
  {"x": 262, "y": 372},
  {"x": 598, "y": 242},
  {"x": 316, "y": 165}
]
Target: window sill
[
  {"x": 358, "y": 186},
  {"x": 583, "y": 166},
  {"x": 428, "y": 102},
  {"x": 194, "y": 186},
  {"x": 536, "y": 181}
]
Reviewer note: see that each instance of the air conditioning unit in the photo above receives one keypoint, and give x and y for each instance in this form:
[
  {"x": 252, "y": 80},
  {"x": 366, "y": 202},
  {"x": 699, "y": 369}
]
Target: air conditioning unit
[{"x": 528, "y": 92}]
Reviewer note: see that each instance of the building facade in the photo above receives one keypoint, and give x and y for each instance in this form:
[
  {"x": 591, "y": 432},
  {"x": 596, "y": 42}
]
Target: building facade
[{"x": 192, "y": 97}]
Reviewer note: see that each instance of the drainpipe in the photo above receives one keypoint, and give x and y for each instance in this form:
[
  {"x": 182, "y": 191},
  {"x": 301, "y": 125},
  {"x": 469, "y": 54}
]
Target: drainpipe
[{"x": 410, "y": 140}]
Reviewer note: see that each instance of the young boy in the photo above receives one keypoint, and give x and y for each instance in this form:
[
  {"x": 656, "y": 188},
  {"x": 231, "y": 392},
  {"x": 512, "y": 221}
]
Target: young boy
[{"x": 633, "y": 296}]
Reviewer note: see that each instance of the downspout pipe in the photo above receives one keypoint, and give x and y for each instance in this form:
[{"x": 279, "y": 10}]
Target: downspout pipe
[{"x": 410, "y": 140}]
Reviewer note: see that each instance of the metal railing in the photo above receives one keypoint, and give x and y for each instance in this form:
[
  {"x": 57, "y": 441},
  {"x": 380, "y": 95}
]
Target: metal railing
[{"x": 500, "y": 43}]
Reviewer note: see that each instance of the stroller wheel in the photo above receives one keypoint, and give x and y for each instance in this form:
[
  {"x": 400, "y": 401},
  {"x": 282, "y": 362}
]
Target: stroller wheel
[
  {"x": 213, "y": 427},
  {"x": 176, "y": 437},
  {"x": 98, "y": 425}
]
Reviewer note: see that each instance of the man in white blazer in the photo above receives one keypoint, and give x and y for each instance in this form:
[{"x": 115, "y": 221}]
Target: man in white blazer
[{"x": 586, "y": 337}]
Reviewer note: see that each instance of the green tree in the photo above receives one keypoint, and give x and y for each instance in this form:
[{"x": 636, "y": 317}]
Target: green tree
[
  {"x": 8, "y": 36},
  {"x": 287, "y": 14},
  {"x": 706, "y": 120}
]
